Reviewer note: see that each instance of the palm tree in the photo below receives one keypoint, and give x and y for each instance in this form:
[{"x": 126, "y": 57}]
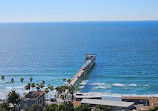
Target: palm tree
[
  {"x": 22, "y": 80},
  {"x": 37, "y": 87},
  {"x": 31, "y": 79},
  {"x": 43, "y": 82},
  {"x": 2, "y": 78},
  {"x": 57, "y": 91},
  {"x": 27, "y": 87},
  {"x": 41, "y": 85},
  {"x": 46, "y": 91},
  {"x": 12, "y": 81},
  {"x": 51, "y": 88},
  {"x": 69, "y": 80},
  {"x": 5, "y": 106},
  {"x": 48, "y": 86},
  {"x": 71, "y": 90},
  {"x": 64, "y": 79},
  {"x": 13, "y": 98},
  {"x": 32, "y": 85},
  {"x": 60, "y": 90}
]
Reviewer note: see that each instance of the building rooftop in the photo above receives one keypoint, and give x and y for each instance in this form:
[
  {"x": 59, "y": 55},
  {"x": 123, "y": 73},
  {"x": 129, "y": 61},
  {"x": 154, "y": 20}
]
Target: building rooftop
[
  {"x": 108, "y": 102},
  {"x": 87, "y": 95},
  {"x": 153, "y": 101}
]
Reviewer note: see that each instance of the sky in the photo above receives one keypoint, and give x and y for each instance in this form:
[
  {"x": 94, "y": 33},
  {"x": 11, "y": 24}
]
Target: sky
[{"x": 77, "y": 10}]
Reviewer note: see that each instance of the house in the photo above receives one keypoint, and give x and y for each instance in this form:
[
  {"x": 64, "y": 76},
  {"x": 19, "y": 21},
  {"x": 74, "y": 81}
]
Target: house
[
  {"x": 116, "y": 105},
  {"x": 142, "y": 103},
  {"x": 33, "y": 97}
]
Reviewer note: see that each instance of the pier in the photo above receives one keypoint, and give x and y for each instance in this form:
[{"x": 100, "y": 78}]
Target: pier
[
  {"x": 82, "y": 72},
  {"x": 90, "y": 59}
]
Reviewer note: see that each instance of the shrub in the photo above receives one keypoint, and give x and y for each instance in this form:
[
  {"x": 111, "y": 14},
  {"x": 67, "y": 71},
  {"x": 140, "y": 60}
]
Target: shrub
[{"x": 83, "y": 107}]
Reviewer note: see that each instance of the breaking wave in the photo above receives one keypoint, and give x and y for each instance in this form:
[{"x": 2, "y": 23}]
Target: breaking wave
[
  {"x": 146, "y": 85},
  {"x": 98, "y": 84},
  {"x": 83, "y": 82},
  {"x": 81, "y": 87},
  {"x": 118, "y": 84},
  {"x": 101, "y": 86},
  {"x": 132, "y": 84},
  {"x": 106, "y": 86},
  {"x": 121, "y": 85}
]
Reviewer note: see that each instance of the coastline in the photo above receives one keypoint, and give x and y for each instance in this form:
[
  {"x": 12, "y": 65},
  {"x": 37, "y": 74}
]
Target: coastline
[{"x": 112, "y": 96}]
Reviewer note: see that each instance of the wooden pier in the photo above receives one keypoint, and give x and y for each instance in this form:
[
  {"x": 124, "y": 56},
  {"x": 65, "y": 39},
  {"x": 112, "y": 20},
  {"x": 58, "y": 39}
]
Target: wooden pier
[
  {"x": 90, "y": 59},
  {"x": 75, "y": 80}
]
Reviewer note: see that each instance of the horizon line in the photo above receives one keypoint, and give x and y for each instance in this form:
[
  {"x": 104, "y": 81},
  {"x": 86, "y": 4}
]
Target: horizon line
[{"x": 78, "y": 21}]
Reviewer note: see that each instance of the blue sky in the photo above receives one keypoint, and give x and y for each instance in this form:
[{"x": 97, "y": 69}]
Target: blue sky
[{"x": 77, "y": 10}]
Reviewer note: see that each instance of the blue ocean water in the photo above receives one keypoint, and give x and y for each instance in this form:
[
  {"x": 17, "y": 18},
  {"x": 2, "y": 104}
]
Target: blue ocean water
[{"x": 126, "y": 64}]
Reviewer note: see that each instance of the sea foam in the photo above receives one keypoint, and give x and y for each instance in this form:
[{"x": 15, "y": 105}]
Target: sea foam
[
  {"x": 122, "y": 85},
  {"x": 101, "y": 85}
]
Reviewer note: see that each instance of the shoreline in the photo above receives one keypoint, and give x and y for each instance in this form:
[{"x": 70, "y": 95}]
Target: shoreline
[{"x": 113, "y": 97}]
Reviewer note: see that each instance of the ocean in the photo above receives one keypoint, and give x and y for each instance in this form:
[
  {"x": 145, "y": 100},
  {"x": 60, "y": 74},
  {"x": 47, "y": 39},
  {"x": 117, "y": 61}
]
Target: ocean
[{"x": 126, "y": 63}]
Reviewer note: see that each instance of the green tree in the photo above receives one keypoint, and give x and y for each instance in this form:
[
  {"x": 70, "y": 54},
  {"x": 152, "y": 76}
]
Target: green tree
[
  {"x": 2, "y": 109},
  {"x": 60, "y": 90},
  {"x": 2, "y": 78},
  {"x": 5, "y": 106},
  {"x": 64, "y": 79},
  {"x": 28, "y": 86},
  {"x": 66, "y": 106},
  {"x": 50, "y": 87},
  {"x": 36, "y": 107},
  {"x": 71, "y": 90},
  {"x": 103, "y": 108},
  {"x": 46, "y": 91},
  {"x": 53, "y": 107},
  {"x": 45, "y": 109},
  {"x": 43, "y": 82},
  {"x": 31, "y": 79},
  {"x": 37, "y": 87},
  {"x": 12, "y": 81},
  {"x": 83, "y": 107},
  {"x": 25, "y": 109},
  {"x": 154, "y": 109},
  {"x": 41, "y": 85},
  {"x": 22, "y": 80},
  {"x": 69, "y": 80},
  {"x": 32, "y": 85},
  {"x": 13, "y": 98}
]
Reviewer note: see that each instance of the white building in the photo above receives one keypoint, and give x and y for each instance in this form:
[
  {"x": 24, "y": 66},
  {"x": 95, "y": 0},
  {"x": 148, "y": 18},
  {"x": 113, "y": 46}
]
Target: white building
[
  {"x": 80, "y": 96},
  {"x": 116, "y": 105}
]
